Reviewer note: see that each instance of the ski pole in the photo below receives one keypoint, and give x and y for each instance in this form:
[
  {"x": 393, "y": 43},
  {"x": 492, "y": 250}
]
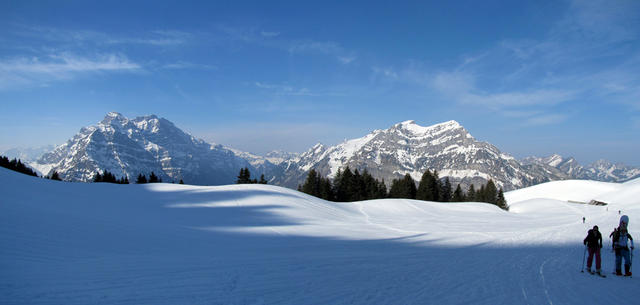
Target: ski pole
[
  {"x": 583, "y": 254},
  {"x": 631, "y": 262}
]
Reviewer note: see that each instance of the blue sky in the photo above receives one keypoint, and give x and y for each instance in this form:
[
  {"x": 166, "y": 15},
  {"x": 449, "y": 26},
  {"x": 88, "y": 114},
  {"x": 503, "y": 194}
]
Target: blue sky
[{"x": 531, "y": 77}]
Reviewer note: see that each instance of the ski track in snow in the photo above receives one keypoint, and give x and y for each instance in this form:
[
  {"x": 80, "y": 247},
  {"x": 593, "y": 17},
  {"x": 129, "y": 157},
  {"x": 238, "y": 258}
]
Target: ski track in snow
[
  {"x": 73, "y": 243},
  {"x": 544, "y": 284}
]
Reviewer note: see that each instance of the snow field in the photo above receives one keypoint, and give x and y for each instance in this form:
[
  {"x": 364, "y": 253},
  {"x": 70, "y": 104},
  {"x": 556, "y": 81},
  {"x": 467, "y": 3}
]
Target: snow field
[{"x": 76, "y": 243}]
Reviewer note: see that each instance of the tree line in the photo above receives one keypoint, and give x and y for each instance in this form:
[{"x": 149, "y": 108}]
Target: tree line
[
  {"x": 355, "y": 186},
  {"x": 244, "y": 177},
  {"x": 346, "y": 186},
  {"x": 17, "y": 165},
  {"x": 108, "y": 177}
]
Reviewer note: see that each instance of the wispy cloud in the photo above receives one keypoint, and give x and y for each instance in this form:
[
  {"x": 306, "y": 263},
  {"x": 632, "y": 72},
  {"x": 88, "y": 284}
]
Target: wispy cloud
[
  {"x": 529, "y": 104},
  {"x": 269, "y": 34},
  {"x": 180, "y": 65},
  {"x": 76, "y": 37},
  {"x": 28, "y": 71},
  {"x": 584, "y": 57},
  {"x": 276, "y": 40},
  {"x": 387, "y": 73},
  {"x": 323, "y": 47},
  {"x": 155, "y": 38},
  {"x": 284, "y": 89}
]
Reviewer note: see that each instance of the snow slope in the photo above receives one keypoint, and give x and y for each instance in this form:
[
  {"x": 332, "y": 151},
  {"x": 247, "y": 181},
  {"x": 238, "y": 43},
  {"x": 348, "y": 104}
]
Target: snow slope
[{"x": 77, "y": 243}]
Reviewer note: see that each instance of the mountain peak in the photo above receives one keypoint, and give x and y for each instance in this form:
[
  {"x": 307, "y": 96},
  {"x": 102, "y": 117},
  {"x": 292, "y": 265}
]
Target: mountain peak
[
  {"x": 418, "y": 130},
  {"x": 113, "y": 116},
  {"x": 148, "y": 117}
]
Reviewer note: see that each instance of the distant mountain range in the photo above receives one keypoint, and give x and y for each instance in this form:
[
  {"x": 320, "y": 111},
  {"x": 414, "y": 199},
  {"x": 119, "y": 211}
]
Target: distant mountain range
[{"x": 132, "y": 146}]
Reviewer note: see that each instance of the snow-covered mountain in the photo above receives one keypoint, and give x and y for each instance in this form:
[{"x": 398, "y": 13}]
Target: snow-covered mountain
[
  {"x": 409, "y": 148},
  {"x": 132, "y": 146},
  {"x": 27, "y": 154},
  {"x": 556, "y": 167},
  {"x": 129, "y": 147}
]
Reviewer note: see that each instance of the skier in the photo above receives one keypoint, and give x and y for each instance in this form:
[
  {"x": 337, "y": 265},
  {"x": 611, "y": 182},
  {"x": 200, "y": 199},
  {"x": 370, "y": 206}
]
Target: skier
[
  {"x": 613, "y": 247},
  {"x": 593, "y": 241},
  {"x": 621, "y": 241},
  {"x": 583, "y": 219}
]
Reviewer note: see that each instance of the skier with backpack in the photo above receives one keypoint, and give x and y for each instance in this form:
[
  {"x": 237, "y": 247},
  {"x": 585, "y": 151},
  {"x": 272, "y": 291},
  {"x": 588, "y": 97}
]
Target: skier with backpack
[
  {"x": 622, "y": 242},
  {"x": 593, "y": 241}
]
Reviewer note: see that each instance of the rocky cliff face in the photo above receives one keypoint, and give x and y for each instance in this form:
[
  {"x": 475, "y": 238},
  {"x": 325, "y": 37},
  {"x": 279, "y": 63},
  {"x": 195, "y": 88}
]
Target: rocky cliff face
[
  {"x": 409, "y": 148},
  {"x": 129, "y": 147}
]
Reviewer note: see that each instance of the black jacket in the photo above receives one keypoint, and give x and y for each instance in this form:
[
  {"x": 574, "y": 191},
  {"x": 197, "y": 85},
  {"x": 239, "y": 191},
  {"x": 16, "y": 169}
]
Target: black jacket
[{"x": 593, "y": 240}]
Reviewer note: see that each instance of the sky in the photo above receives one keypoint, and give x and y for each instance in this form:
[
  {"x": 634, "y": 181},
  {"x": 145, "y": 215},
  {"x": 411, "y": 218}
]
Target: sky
[{"x": 533, "y": 78}]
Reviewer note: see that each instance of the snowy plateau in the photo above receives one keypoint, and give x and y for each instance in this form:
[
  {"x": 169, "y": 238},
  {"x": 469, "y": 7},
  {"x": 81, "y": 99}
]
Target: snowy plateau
[
  {"x": 129, "y": 147},
  {"x": 100, "y": 243}
]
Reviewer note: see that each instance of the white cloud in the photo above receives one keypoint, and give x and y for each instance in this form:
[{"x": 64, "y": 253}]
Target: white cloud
[
  {"x": 284, "y": 89},
  {"x": 346, "y": 59},
  {"x": 25, "y": 71},
  {"x": 586, "y": 56},
  {"x": 316, "y": 46},
  {"x": 387, "y": 73},
  {"x": 529, "y": 104},
  {"x": 462, "y": 88},
  {"x": 327, "y": 48},
  {"x": 269, "y": 34},
  {"x": 188, "y": 65},
  {"x": 74, "y": 37},
  {"x": 535, "y": 97}
]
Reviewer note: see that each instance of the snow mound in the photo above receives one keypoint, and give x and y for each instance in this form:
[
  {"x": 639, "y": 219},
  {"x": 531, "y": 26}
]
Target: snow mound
[{"x": 567, "y": 190}]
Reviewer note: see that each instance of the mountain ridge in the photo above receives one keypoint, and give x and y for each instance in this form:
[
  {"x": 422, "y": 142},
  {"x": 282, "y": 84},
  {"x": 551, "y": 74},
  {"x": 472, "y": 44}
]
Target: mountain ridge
[{"x": 148, "y": 143}]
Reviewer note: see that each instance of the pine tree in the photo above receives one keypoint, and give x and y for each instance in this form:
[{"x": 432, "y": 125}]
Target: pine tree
[
  {"x": 445, "y": 193},
  {"x": 311, "y": 185},
  {"x": 153, "y": 178},
  {"x": 481, "y": 194},
  {"x": 429, "y": 187},
  {"x": 371, "y": 187},
  {"x": 97, "y": 177},
  {"x": 55, "y": 176},
  {"x": 502, "y": 202},
  {"x": 458, "y": 195},
  {"x": 403, "y": 188},
  {"x": 490, "y": 192},
  {"x": 317, "y": 186},
  {"x": 326, "y": 190},
  {"x": 244, "y": 177},
  {"x": 382, "y": 190},
  {"x": 142, "y": 179},
  {"x": 358, "y": 187},
  {"x": 424, "y": 192},
  {"x": 17, "y": 165},
  {"x": 471, "y": 193},
  {"x": 344, "y": 186},
  {"x": 262, "y": 180}
]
